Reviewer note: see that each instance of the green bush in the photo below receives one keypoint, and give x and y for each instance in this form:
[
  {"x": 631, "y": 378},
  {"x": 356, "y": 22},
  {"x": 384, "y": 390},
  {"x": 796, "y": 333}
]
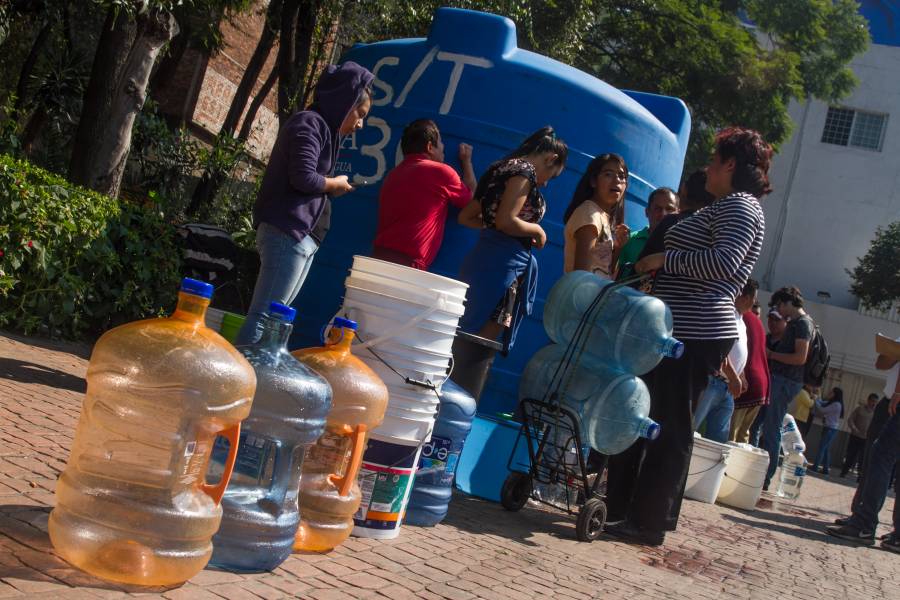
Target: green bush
[{"x": 75, "y": 263}]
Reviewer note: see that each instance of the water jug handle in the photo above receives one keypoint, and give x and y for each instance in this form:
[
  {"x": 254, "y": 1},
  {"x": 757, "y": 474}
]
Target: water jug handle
[
  {"x": 233, "y": 435},
  {"x": 345, "y": 483}
]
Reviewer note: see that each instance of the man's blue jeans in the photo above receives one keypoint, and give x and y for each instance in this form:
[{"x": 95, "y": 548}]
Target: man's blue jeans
[
  {"x": 781, "y": 391},
  {"x": 284, "y": 265},
  {"x": 885, "y": 454},
  {"x": 716, "y": 405}
]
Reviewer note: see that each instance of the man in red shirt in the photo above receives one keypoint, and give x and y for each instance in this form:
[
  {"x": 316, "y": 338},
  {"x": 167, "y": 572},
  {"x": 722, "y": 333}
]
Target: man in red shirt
[{"x": 412, "y": 207}]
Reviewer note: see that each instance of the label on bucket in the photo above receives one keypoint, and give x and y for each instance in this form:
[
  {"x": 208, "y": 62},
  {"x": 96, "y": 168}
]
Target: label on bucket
[
  {"x": 438, "y": 462},
  {"x": 385, "y": 479}
]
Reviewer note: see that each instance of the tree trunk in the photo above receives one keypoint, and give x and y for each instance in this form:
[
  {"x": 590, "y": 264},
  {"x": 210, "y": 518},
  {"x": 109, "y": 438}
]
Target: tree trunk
[
  {"x": 258, "y": 100},
  {"x": 28, "y": 66},
  {"x": 254, "y": 68},
  {"x": 104, "y": 133},
  {"x": 286, "y": 72}
]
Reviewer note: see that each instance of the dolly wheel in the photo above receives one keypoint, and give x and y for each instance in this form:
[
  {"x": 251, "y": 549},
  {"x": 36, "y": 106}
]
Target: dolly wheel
[
  {"x": 516, "y": 491},
  {"x": 591, "y": 519}
]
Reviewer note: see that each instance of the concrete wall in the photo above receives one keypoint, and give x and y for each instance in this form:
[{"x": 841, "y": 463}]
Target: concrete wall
[{"x": 829, "y": 199}]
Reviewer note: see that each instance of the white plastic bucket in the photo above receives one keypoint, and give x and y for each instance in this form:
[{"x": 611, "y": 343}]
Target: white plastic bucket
[
  {"x": 408, "y": 318},
  {"x": 706, "y": 470},
  {"x": 421, "y": 297},
  {"x": 400, "y": 305},
  {"x": 745, "y": 473},
  {"x": 385, "y": 479},
  {"x": 407, "y": 275}
]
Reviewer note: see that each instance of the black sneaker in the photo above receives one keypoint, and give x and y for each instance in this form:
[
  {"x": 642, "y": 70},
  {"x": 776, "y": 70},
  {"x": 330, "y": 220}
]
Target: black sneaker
[
  {"x": 891, "y": 542},
  {"x": 852, "y": 534}
]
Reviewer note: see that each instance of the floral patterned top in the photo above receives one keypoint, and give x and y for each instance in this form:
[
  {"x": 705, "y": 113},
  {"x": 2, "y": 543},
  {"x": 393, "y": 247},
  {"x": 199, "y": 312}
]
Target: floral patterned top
[{"x": 493, "y": 183}]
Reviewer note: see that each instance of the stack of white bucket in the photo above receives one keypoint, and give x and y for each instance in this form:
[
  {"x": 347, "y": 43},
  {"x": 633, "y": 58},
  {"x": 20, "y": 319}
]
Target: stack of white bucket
[{"x": 407, "y": 319}]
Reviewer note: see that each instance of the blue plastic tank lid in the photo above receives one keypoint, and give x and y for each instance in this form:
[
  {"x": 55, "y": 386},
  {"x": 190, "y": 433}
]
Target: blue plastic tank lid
[
  {"x": 341, "y": 322},
  {"x": 197, "y": 288},
  {"x": 282, "y": 312},
  {"x": 653, "y": 431},
  {"x": 678, "y": 350}
]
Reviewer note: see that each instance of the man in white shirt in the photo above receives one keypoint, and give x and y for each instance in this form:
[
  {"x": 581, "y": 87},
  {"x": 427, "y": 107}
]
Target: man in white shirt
[
  {"x": 879, "y": 460},
  {"x": 716, "y": 405}
]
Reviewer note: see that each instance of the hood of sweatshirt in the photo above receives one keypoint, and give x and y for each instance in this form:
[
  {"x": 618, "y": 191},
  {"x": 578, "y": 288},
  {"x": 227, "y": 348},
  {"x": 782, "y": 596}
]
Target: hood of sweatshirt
[{"x": 338, "y": 90}]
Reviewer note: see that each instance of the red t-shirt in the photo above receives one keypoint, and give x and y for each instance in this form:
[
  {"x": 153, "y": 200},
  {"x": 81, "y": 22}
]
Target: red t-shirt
[
  {"x": 412, "y": 207},
  {"x": 757, "y": 369}
]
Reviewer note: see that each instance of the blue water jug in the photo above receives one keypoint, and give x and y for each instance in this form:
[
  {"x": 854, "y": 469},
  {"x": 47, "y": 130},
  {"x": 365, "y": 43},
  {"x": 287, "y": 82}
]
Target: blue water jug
[
  {"x": 260, "y": 514},
  {"x": 613, "y": 406},
  {"x": 433, "y": 485},
  {"x": 632, "y": 331}
]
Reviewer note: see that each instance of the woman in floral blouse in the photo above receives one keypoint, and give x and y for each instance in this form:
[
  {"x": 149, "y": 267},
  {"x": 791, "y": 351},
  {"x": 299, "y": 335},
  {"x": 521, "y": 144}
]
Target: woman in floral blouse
[{"x": 500, "y": 270}]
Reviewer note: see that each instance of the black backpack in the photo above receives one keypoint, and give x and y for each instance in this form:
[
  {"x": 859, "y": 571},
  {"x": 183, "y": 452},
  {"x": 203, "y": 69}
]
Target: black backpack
[{"x": 817, "y": 359}]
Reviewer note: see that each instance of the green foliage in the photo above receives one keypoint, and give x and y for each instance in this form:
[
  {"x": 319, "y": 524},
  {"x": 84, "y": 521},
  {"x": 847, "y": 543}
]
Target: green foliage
[
  {"x": 165, "y": 164},
  {"x": 75, "y": 262},
  {"x": 876, "y": 279}
]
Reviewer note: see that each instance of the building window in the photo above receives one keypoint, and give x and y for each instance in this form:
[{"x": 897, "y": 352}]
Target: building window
[{"x": 848, "y": 127}]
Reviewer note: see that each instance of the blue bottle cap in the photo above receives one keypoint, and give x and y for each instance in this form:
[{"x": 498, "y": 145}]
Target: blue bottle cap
[
  {"x": 196, "y": 288},
  {"x": 341, "y": 322},
  {"x": 653, "y": 431},
  {"x": 282, "y": 312}
]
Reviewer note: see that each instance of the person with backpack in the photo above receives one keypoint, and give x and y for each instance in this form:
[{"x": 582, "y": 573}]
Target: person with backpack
[{"x": 787, "y": 365}]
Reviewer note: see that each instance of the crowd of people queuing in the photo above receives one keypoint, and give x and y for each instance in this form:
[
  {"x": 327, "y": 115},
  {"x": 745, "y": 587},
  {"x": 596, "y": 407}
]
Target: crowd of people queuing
[{"x": 734, "y": 380}]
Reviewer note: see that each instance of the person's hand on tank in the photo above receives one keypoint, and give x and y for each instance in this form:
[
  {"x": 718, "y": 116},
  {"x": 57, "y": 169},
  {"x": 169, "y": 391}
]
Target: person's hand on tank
[
  {"x": 465, "y": 153},
  {"x": 651, "y": 262}
]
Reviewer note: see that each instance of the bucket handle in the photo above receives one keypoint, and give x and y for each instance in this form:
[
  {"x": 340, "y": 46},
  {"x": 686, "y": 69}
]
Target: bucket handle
[
  {"x": 441, "y": 304},
  {"x": 345, "y": 483},
  {"x": 233, "y": 435}
]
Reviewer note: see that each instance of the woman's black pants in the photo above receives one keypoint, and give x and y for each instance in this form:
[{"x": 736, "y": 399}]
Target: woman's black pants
[{"x": 646, "y": 482}]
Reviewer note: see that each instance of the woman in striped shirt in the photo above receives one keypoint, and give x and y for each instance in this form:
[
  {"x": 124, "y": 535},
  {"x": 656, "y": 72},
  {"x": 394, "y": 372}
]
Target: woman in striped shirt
[{"x": 707, "y": 260}]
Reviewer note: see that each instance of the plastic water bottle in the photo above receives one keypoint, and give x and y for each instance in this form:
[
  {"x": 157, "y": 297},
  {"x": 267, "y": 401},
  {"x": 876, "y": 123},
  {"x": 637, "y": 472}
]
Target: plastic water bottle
[
  {"x": 631, "y": 330},
  {"x": 613, "y": 406},
  {"x": 260, "y": 506},
  {"x": 433, "y": 485},
  {"x": 132, "y": 504},
  {"x": 329, "y": 491},
  {"x": 790, "y": 435},
  {"x": 793, "y": 471}
]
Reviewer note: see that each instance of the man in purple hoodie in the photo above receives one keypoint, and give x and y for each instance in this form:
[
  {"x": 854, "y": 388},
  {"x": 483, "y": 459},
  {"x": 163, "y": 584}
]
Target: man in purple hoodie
[{"x": 293, "y": 209}]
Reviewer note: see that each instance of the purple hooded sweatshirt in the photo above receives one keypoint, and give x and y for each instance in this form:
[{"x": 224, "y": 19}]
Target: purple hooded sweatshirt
[{"x": 292, "y": 195}]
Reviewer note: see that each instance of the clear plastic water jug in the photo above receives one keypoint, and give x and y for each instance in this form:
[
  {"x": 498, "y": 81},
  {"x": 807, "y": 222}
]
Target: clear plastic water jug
[
  {"x": 132, "y": 504},
  {"x": 613, "y": 406},
  {"x": 790, "y": 435},
  {"x": 433, "y": 485},
  {"x": 793, "y": 472},
  {"x": 329, "y": 491},
  {"x": 260, "y": 516},
  {"x": 631, "y": 331}
]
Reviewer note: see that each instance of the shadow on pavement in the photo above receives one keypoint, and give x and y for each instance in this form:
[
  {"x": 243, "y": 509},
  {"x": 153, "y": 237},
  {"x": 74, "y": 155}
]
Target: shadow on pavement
[
  {"x": 27, "y": 372},
  {"x": 79, "y": 349},
  {"x": 801, "y": 526},
  {"x": 475, "y": 515},
  {"x": 30, "y": 556}
]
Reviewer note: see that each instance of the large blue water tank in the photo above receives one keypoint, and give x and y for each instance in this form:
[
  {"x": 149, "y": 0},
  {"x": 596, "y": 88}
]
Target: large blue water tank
[{"x": 469, "y": 76}]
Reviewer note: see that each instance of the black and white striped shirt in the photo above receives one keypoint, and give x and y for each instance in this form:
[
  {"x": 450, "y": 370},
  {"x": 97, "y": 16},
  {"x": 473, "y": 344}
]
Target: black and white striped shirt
[{"x": 709, "y": 257}]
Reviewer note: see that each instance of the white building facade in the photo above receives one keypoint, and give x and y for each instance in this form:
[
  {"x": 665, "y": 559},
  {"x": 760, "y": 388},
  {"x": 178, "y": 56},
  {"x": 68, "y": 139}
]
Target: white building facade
[{"x": 836, "y": 180}]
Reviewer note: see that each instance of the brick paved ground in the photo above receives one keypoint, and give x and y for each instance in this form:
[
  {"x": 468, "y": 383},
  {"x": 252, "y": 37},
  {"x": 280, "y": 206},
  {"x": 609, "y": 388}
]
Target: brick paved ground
[{"x": 480, "y": 551}]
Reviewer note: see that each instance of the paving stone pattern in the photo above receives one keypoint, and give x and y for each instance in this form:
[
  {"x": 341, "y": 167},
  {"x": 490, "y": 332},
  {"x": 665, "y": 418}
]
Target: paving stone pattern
[{"x": 480, "y": 551}]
